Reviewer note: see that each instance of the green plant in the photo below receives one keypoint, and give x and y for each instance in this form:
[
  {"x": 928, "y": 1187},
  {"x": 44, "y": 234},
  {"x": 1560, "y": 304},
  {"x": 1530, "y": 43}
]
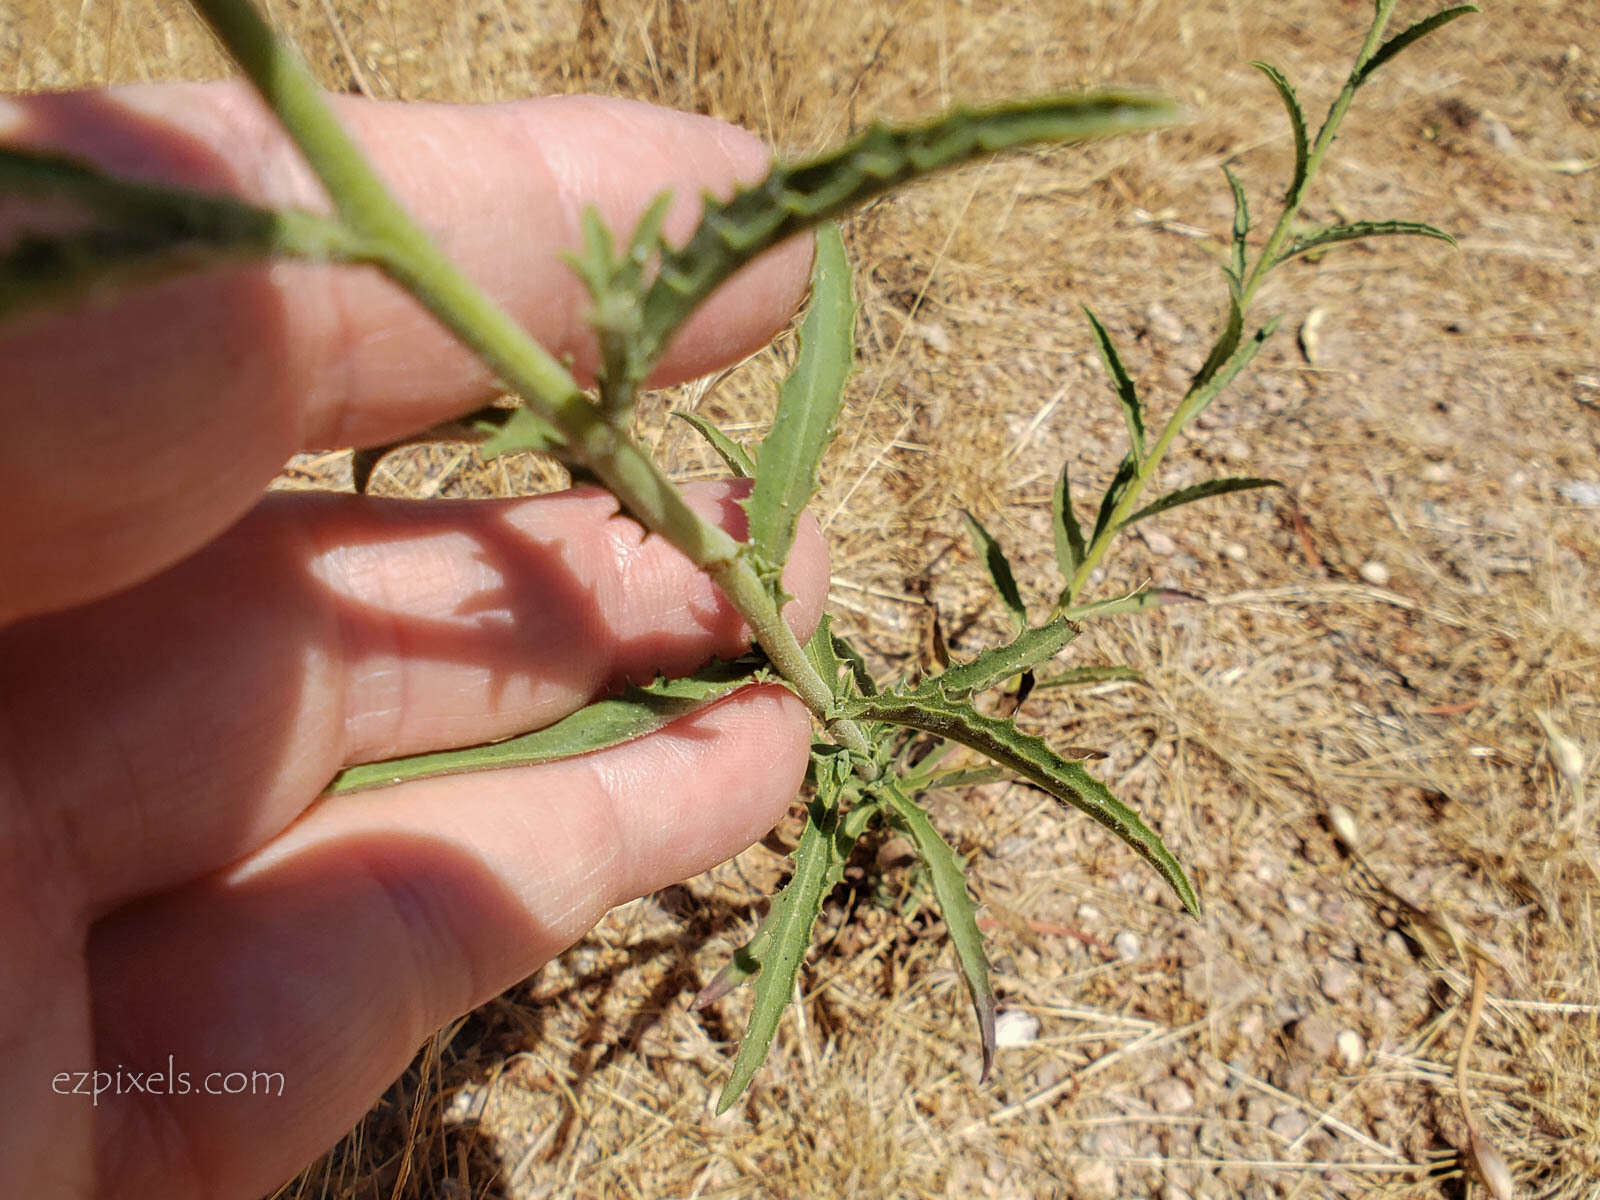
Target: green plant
[{"x": 887, "y": 739}]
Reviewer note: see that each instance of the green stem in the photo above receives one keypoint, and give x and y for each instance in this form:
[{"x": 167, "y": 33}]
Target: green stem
[
  {"x": 1187, "y": 407},
  {"x": 413, "y": 261}
]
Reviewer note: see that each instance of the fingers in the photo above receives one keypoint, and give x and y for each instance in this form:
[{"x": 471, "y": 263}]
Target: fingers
[
  {"x": 176, "y": 727},
  {"x": 140, "y": 427},
  {"x": 328, "y": 957}
]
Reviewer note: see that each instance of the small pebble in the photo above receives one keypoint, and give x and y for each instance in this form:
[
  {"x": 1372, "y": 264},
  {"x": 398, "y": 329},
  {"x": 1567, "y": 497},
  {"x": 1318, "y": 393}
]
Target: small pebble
[
  {"x": 1235, "y": 551},
  {"x": 1351, "y": 1049},
  {"x": 1580, "y": 492},
  {"x": 1337, "y": 981},
  {"x": 1127, "y": 945},
  {"x": 1375, "y": 573},
  {"x": 1162, "y": 322},
  {"x": 1013, "y": 1027},
  {"x": 1435, "y": 472},
  {"x": 1159, "y": 542},
  {"x": 1316, "y": 1035},
  {"x": 1289, "y": 1124},
  {"x": 1170, "y": 1096}
]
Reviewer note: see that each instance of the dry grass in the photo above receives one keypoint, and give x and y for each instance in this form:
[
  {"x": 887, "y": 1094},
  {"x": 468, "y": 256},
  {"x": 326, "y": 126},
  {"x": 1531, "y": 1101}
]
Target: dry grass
[{"x": 1452, "y": 393}]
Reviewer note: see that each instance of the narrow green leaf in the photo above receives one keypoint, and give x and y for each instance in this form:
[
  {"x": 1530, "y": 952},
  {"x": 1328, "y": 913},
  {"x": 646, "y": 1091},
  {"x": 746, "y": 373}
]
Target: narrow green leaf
[
  {"x": 949, "y": 880},
  {"x": 1227, "y": 342},
  {"x": 1359, "y": 229},
  {"x": 734, "y": 456},
  {"x": 1033, "y": 760},
  {"x": 965, "y": 777},
  {"x": 1084, "y": 676},
  {"x": 796, "y": 910},
  {"x": 1297, "y": 123},
  {"x": 996, "y": 665},
  {"x": 808, "y": 405},
  {"x": 644, "y": 244},
  {"x": 1241, "y": 227},
  {"x": 858, "y": 665},
  {"x": 796, "y": 196},
  {"x": 1204, "y": 391},
  {"x": 1127, "y": 394},
  {"x": 1406, "y": 36},
  {"x": 819, "y": 649},
  {"x": 999, "y": 568},
  {"x": 746, "y": 961},
  {"x": 638, "y": 711},
  {"x": 1127, "y": 472},
  {"x": 1140, "y": 601},
  {"x": 819, "y": 862},
  {"x": 1064, "y": 522},
  {"x": 517, "y": 430},
  {"x": 140, "y": 233},
  {"x": 1199, "y": 491}
]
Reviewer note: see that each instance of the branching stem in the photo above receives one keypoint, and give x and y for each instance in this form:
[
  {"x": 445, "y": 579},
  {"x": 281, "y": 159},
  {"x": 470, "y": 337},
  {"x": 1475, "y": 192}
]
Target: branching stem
[
  {"x": 406, "y": 254},
  {"x": 1200, "y": 390}
]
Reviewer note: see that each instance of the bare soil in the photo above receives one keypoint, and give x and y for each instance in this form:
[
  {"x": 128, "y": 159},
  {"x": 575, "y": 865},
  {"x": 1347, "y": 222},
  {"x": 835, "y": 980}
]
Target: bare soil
[{"x": 1353, "y": 743}]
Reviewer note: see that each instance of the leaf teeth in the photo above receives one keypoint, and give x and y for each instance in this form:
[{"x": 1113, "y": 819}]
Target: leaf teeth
[
  {"x": 1032, "y": 759},
  {"x": 794, "y": 197}
]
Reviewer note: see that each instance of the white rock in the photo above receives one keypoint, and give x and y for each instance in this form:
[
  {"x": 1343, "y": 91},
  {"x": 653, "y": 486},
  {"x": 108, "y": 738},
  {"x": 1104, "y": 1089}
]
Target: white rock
[
  {"x": 1375, "y": 573},
  {"x": 1170, "y": 1096},
  {"x": 1013, "y": 1027},
  {"x": 1337, "y": 981},
  {"x": 1159, "y": 542},
  {"x": 1580, "y": 491},
  {"x": 1351, "y": 1049},
  {"x": 1127, "y": 945}
]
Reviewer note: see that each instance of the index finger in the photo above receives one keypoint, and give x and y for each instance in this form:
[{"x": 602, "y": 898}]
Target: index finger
[{"x": 139, "y": 428}]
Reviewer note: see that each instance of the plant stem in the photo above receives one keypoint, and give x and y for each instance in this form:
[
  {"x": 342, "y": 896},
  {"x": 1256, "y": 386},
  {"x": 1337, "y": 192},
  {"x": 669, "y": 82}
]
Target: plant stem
[
  {"x": 408, "y": 256},
  {"x": 1264, "y": 263}
]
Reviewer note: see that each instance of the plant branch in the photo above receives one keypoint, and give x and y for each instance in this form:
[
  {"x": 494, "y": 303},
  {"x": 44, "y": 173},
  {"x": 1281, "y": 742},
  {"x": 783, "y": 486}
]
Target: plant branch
[{"x": 408, "y": 256}]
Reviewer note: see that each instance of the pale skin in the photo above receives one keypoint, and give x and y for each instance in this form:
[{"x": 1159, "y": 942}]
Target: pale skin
[{"x": 184, "y": 664}]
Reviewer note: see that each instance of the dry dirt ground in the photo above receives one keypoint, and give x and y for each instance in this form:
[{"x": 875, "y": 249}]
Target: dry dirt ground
[{"x": 1407, "y": 634}]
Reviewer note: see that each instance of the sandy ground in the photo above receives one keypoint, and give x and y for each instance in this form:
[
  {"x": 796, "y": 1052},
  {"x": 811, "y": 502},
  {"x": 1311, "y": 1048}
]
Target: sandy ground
[{"x": 1353, "y": 743}]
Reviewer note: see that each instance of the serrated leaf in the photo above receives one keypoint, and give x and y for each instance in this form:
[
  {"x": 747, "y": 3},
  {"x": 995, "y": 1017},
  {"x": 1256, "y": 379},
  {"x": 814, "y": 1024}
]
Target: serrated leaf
[
  {"x": 808, "y": 405},
  {"x": 949, "y": 881},
  {"x": 1029, "y": 757},
  {"x": 858, "y": 665},
  {"x": 638, "y": 711},
  {"x": 1064, "y": 524},
  {"x": 1122, "y": 383},
  {"x": 1407, "y": 36},
  {"x": 1085, "y": 676},
  {"x": 794, "y": 913},
  {"x": 1127, "y": 471},
  {"x": 1199, "y": 491},
  {"x": 819, "y": 650},
  {"x": 142, "y": 233},
  {"x": 1203, "y": 392},
  {"x": 746, "y": 961},
  {"x": 1297, "y": 124},
  {"x": 734, "y": 456},
  {"x": 999, "y": 568},
  {"x": 1241, "y": 228},
  {"x": 1140, "y": 601},
  {"x": 518, "y": 430},
  {"x": 1227, "y": 342},
  {"x": 1360, "y": 229},
  {"x": 797, "y": 196},
  {"x": 996, "y": 665}
]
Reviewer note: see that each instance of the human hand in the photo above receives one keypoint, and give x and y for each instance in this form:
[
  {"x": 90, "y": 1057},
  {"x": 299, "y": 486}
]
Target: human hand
[{"x": 184, "y": 666}]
